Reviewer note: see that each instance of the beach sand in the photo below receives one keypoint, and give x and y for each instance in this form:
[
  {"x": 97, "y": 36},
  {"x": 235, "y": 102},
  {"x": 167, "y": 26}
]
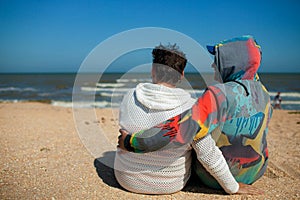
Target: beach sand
[{"x": 43, "y": 157}]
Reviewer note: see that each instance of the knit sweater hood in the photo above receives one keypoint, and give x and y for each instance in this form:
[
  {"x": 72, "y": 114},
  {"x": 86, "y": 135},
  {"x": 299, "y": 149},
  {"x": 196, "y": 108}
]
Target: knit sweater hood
[{"x": 153, "y": 96}]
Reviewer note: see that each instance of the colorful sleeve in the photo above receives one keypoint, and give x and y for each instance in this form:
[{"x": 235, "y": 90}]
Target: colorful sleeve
[{"x": 193, "y": 124}]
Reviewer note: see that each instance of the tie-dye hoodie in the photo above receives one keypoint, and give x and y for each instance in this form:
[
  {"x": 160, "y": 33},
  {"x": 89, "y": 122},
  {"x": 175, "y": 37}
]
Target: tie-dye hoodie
[{"x": 236, "y": 113}]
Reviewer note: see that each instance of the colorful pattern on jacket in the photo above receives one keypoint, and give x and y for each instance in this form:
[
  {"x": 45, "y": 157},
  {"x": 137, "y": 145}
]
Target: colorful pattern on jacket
[{"x": 236, "y": 113}]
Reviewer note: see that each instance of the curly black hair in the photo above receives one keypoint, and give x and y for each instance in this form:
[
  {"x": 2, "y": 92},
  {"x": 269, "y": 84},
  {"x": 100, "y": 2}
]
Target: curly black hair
[{"x": 168, "y": 63}]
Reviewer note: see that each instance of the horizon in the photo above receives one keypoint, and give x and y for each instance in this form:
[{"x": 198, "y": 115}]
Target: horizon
[
  {"x": 41, "y": 73},
  {"x": 57, "y": 36}
]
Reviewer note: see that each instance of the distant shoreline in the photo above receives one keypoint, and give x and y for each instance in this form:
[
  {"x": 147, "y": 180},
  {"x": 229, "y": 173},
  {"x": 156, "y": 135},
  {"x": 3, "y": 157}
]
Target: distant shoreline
[
  {"x": 107, "y": 90},
  {"x": 49, "y": 102},
  {"x": 92, "y": 73}
]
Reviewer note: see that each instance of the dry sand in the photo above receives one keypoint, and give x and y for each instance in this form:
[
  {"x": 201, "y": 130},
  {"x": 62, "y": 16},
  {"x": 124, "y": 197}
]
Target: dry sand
[{"x": 42, "y": 157}]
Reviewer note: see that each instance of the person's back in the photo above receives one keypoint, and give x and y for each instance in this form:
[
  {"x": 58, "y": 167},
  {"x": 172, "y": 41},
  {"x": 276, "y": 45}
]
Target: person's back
[
  {"x": 241, "y": 136},
  {"x": 244, "y": 111},
  {"x": 163, "y": 171},
  {"x": 234, "y": 113}
]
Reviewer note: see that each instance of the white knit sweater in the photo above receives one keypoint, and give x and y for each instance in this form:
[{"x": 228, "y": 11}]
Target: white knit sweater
[{"x": 164, "y": 171}]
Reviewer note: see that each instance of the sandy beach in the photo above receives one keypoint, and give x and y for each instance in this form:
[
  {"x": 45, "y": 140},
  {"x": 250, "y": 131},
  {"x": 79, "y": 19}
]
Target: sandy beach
[{"x": 43, "y": 157}]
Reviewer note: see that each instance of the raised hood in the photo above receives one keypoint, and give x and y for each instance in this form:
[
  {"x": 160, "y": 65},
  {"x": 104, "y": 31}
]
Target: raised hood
[{"x": 237, "y": 59}]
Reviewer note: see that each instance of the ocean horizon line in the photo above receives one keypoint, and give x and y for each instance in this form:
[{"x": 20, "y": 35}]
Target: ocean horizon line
[
  {"x": 57, "y": 88},
  {"x": 71, "y": 73}
]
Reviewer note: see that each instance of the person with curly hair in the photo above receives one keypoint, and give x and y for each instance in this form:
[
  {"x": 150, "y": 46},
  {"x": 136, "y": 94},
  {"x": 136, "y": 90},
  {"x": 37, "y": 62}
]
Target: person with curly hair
[{"x": 165, "y": 171}]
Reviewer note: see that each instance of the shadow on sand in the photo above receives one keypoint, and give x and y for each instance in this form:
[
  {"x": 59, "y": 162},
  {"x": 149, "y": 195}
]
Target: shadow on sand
[
  {"x": 106, "y": 173},
  {"x": 196, "y": 186}
]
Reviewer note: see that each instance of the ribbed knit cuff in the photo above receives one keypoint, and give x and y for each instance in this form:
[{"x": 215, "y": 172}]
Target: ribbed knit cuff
[
  {"x": 234, "y": 188},
  {"x": 127, "y": 144}
]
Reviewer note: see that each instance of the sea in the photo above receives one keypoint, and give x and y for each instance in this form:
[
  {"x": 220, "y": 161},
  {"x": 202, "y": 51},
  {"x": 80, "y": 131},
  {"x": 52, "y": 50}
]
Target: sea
[{"x": 107, "y": 90}]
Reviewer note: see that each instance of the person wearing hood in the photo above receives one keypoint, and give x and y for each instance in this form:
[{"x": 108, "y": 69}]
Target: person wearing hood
[
  {"x": 146, "y": 106},
  {"x": 227, "y": 126}
]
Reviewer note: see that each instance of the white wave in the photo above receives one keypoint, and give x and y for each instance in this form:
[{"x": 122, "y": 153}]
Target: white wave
[
  {"x": 122, "y": 91},
  {"x": 85, "y": 104},
  {"x": 29, "y": 89},
  {"x": 6, "y": 89},
  {"x": 126, "y": 80},
  {"x": 290, "y": 102},
  {"x": 9, "y": 89},
  {"x": 95, "y": 89},
  {"x": 134, "y": 80},
  {"x": 103, "y": 85},
  {"x": 105, "y": 104},
  {"x": 62, "y": 104},
  {"x": 9, "y": 101},
  {"x": 107, "y": 94},
  {"x": 285, "y": 94}
]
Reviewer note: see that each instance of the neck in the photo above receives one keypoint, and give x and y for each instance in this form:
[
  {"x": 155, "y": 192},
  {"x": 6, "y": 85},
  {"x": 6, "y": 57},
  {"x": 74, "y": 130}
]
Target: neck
[{"x": 166, "y": 84}]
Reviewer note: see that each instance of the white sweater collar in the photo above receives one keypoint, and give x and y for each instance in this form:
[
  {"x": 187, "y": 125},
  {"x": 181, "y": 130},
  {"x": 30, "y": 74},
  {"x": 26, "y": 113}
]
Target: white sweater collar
[{"x": 160, "y": 97}]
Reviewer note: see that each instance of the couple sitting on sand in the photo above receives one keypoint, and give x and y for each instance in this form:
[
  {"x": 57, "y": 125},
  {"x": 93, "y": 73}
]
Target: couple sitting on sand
[{"x": 221, "y": 136}]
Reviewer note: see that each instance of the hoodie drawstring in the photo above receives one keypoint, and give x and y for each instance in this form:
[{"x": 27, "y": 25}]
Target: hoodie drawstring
[{"x": 247, "y": 93}]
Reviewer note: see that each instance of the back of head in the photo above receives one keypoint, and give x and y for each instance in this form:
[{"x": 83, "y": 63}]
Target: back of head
[{"x": 168, "y": 63}]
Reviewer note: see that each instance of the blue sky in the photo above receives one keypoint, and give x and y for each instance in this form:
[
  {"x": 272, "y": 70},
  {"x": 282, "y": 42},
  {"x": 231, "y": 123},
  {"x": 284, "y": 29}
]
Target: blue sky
[{"x": 56, "y": 36}]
